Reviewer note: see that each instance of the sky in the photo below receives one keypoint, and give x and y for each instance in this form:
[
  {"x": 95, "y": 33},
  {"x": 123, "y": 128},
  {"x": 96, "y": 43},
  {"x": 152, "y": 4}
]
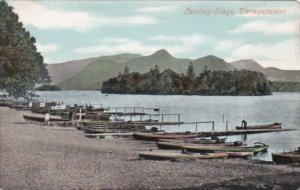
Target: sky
[{"x": 71, "y": 30}]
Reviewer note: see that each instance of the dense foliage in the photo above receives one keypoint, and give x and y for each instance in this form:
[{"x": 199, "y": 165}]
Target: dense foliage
[
  {"x": 286, "y": 86},
  {"x": 21, "y": 66},
  {"x": 207, "y": 83},
  {"x": 47, "y": 87}
]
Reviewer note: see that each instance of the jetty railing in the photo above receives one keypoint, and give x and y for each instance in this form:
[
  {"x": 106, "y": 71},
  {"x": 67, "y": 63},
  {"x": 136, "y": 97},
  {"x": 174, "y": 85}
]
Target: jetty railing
[
  {"x": 135, "y": 109},
  {"x": 201, "y": 122},
  {"x": 162, "y": 116}
]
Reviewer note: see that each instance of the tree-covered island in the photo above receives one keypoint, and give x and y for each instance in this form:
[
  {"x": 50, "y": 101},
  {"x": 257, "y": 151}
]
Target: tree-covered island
[{"x": 208, "y": 82}]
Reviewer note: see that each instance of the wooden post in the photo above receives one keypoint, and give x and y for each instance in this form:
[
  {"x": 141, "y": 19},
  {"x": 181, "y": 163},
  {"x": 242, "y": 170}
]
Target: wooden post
[
  {"x": 125, "y": 109},
  {"x": 150, "y": 116},
  {"x": 213, "y": 125},
  {"x": 80, "y": 114},
  {"x": 130, "y": 117},
  {"x": 226, "y": 125},
  {"x": 196, "y": 127},
  {"x": 178, "y": 118},
  {"x": 134, "y": 109},
  {"x": 141, "y": 117},
  {"x": 47, "y": 117},
  {"x": 162, "y": 117}
]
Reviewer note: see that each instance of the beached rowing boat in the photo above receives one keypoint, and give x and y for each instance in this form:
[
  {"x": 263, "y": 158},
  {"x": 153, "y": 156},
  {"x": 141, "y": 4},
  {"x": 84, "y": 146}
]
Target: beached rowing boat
[
  {"x": 157, "y": 136},
  {"x": 214, "y": 140},
  {"x": 286, "y": 157},
  {"x": 177, "y": 145},
  {"x": 173, "y": 156},
  {"x": 41, "y": 118},
  {"x": 257, "y": 148},
  {"x": 268, "y": 126}
]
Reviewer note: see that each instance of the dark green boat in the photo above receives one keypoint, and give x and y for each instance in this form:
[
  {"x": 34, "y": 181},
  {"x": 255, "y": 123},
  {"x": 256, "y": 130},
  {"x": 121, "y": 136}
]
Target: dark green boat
[{"x": 257, "y": 148}]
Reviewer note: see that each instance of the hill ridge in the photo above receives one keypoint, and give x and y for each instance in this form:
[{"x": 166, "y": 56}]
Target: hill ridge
[{"x": 91, "y": 75}]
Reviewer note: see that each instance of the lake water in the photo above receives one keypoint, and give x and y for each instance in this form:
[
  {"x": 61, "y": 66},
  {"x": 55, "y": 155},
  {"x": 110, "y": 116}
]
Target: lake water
[{"x": 279, "y": 107}]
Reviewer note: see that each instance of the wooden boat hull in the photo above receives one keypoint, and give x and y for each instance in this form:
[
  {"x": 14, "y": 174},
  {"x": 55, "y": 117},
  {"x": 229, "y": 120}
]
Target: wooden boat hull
[
  {"x": 268, "y": 126},
  {"x": 174, "y": 156},
  {"x": 41, "y": 118},
  {"x": 286, "y": 158},
  {"x": 157, "y": 136},
  {"x": 178, "y": 146},
  {"x": 212, "y": 149}
]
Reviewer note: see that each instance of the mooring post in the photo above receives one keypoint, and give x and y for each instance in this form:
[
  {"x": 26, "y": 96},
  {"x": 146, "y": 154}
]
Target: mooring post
[
  {"x": 162, "y": 117},
  {"x": 130, "y": 117},
  {"x": 226, "y": 125},
  {"x": 116, "y": 109},
  {"x": 196, "y": 127},
  {"x": 133, "y": 109},
  {"x": 141, "y": 117},
  {"x": 178, "y": 118},
  {"x": 143, "y": 109},
  {"x": 150, "y": 117},
  {"x": 213, "y": 125},
  {"x": 125, "y": 109}
]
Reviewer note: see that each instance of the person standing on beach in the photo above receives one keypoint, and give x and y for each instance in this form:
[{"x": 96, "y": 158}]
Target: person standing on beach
[{"x": 244, "y": 123}]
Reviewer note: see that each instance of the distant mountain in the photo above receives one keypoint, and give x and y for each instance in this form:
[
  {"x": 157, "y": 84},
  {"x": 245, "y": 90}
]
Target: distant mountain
[
  {"x": 88, "y": 74},
  {"x": 162, "y": 58},
  {"x": 273, "y": 74},
  {"x": 92, "y": 76},
  {"x": 248, "y": 64},
  {"x": 212, "y": 63},
  {"x": 60, "y": 72}
]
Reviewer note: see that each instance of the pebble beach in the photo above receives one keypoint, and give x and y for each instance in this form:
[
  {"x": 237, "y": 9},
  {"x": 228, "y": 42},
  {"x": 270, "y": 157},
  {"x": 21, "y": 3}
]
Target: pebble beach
[{"x": 35, "y": 157}]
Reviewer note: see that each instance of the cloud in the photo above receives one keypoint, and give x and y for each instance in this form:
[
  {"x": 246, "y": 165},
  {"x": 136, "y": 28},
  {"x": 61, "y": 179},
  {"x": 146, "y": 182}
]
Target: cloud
[
  {"x": 176, "y": 45},
  {"x": 47, "y": 48},
  {"x": 192, "y": 39},
  {"x": 42, "y": 17},
  {"x": 284, "y": 54},
  {"x": 157, "y": 9},
  {"x": 267, "y": 27},
  {"x": 227, "y": 45}
]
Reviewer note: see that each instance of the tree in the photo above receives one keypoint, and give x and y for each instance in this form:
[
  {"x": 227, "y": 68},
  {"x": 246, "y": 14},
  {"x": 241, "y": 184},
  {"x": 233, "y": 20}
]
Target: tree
[
  {"x": 190, "y": 71},
  {"x": 126, "y": 70},
  {"x": 21, "y": 66},
  {"x": 156, "y": 69}
]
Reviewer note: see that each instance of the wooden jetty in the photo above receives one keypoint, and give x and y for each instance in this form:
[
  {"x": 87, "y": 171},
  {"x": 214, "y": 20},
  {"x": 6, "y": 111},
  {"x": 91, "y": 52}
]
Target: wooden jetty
[{"x": 146, "y": 123}]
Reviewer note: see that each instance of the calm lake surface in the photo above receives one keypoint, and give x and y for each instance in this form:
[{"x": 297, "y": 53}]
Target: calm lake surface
[{"x": 279, "y": 107}]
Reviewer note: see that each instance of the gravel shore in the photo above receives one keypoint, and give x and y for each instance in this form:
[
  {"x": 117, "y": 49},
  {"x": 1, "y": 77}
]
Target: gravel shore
[{"x": 34, "y": 157}]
